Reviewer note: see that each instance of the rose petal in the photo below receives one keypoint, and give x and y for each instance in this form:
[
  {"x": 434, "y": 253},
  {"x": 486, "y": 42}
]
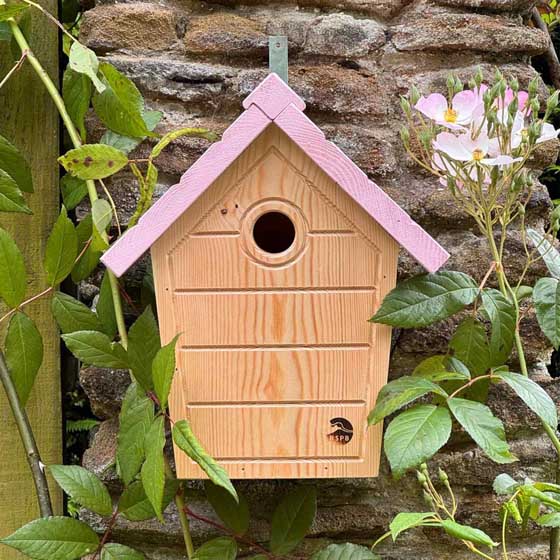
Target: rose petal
[
  {"x": 454, "y": 146},
  {"x": 433, "y": 106}
]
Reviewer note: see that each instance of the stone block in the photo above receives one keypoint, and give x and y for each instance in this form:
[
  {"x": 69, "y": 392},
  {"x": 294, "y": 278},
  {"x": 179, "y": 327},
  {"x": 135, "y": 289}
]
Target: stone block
[
  {"x": 449, "y": 32},
  {"x": 225, "y": 33},
  {"x": 343, "y": 35},
  {"x": 137, "y": 26},
  {"x": 105, "y": 389}
]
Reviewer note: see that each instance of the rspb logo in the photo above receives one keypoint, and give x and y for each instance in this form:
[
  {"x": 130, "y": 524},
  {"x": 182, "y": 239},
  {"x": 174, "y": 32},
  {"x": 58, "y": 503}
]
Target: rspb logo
[{"x": 344, "y": 431}]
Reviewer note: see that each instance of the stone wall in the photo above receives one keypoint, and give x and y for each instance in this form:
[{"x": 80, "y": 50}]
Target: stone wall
[{"x": 350, "y": 60}]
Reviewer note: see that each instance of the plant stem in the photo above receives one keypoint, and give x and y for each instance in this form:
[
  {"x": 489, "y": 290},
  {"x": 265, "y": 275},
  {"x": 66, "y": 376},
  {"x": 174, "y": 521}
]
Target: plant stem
[
  {"x": 28, "y": 440},
  {"x": 506, "y": 290},
  {"x": 14, "y": 69},
  {"x": 76, "y": 142},
  {"x": 185, "y": 525},
  {"x": 182, "y": 509}
]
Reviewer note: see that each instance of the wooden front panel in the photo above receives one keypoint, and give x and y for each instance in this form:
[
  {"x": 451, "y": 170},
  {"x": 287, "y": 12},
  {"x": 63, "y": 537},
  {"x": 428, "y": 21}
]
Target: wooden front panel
[{"x": 278, "y": 365}]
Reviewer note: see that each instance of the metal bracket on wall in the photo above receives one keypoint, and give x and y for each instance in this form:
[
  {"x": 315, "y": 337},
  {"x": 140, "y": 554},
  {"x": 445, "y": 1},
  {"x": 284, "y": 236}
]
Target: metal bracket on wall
[{"x": 278, "y": 55}]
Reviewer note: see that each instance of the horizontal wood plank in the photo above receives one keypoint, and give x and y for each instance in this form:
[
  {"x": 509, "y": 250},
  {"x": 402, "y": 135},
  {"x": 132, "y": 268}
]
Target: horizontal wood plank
[
  {"x": 329, "y": 260},
  {"x": 251, "y": 318},
  {"x": 280, "y": 375}
]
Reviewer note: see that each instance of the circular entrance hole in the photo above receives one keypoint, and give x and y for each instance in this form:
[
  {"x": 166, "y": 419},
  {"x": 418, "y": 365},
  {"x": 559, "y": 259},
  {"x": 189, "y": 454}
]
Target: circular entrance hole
[{"x": 274, "y": 232}]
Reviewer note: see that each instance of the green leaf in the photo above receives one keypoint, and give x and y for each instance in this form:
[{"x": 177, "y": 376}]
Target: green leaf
[
  {"x": 483, "y": 427},
  {"x": 24, "y": 353},
  {"x": 399, "y": 393},
  {"x": 405, "y": 521},
  {"x": 120, "y": 105},
  {"x": 82, "y": 425},
  {"x": 62, "y": 249},
  {"x": 186, "y": 441},
  {"x": 441, "y": 368},
  {"x": 13, "y": 278},
  {"x": 91, "y": 247},
  {"x": 73, "y": 191},
  {"x": 11, "y": 198},
  {"x": 153, "y": 469},
  {"x": 423, "y": 300},
  {"x": 175, "y": 134},
  {"x": 549, "y": 520},
  {"x": 83, "y": 487},
  {"x": 54, "y": 538},
  {"x": 466, "y": 533},
  {"x": 5, "y": 31},
  {"x": 163, "y": 369},
  {"x": 548, "y": 252},
  {"x": 136, "y": 506},
  {"x": 470, "y": 345},
  {"x": 345, "y": 552},
  {"x": 234, "y": 515},
  {"x": 143, "y": 345},
  {"x": 546, "y": 296},
  {"x": 114, "y": 551},
  {"x": 504, "y": 484},
  {"x": 135, "y": 419},
  {"x": 96, "y": 349},
  {"x": 523, "y": 292},
  {"x": 93, "y": 161},
  {"x": 84, "y": 61},
  {"x": 127, "y": 143},
  {"x": 72, "y": 315},
  {"x": 292, "y": 519},
  {"x": 415, "y": 436},
  {"x": 222, "y": 548},
  {"x": 502, "y": 316},
  {"x": 15, "y": 165},
  {"x": 533, "y": 395},
  {"x": 76, "y": 92},
  {"x": 101, "y": 214},
  {"x": 8, "y": 11},
  {"x": 105, "y": 308}
]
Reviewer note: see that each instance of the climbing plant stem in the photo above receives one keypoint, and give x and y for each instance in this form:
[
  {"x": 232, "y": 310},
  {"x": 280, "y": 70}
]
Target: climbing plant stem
[
  {"x": 28, "y": 440},
  {"x": 76, "y": 142}
]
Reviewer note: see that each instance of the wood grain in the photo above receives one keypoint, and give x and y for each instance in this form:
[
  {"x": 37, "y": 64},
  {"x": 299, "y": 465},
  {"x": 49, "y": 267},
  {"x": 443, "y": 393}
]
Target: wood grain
[
  {"x": 29, "y": 119},
  {"x": 271, "y": 352}
]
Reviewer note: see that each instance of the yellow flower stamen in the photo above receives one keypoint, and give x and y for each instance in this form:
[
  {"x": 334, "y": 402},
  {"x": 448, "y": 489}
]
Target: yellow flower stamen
[
  {"x": 478, "y": 154},
  {"x": 450, "y": 116}
]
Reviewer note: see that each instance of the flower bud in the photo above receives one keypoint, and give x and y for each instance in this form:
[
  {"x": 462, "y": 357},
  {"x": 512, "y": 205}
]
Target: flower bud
[
  {"x": 443, "y": 476},
  {"x": 513, "y": 107},
  {"x": 502, "y": 88},
  {"x": 533, "y": 87},
  {"x": 426, "y": 139},
  {"x": 424, "y": 468},
  {"x": 421, "y": 477},
  {"x": 414, "y": 95},
  {"x": 428, "y": 499},
  {"x": 552, "y": 102},
  {"x": 405, "y": 106},
  {"x": 478, "y": 77},
  {"x": 458, "y": 85},
  {"x": 514, "y": 85},
  {"x": 535, "y": 105},
  {"x": 405, "y": 137},
  {"x": 498, "y": 76}
]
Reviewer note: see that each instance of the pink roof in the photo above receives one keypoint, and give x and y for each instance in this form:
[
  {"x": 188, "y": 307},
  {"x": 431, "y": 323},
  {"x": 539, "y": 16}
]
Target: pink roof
[{"x": 273, "y": 101}]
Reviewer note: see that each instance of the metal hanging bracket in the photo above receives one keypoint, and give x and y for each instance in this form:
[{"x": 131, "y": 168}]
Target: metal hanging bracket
[{"x": 278, "y": 55}]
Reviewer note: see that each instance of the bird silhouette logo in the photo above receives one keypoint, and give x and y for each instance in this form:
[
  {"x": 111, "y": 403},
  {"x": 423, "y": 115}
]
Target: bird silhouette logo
[{"x": 344, "y": 431}]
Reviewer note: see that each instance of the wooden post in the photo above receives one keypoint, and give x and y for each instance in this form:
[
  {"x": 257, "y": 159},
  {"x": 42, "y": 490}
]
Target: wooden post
[{"x": 29, "y": 119}]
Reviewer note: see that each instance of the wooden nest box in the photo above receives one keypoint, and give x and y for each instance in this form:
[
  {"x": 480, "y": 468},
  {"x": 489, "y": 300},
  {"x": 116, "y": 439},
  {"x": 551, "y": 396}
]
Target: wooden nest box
[{"x": 269, "y": 257}]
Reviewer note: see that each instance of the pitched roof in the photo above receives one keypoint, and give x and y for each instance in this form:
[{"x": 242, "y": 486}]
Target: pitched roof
[{"x": 273, "y": 101}]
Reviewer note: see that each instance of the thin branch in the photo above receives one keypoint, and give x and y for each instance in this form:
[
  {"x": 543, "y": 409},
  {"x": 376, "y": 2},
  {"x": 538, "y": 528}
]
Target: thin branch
[
  {"x": 51, "y": 17},
  {"x": 26, "y": 302},
  {"x": 28, "y": 440},
  {"x": 14, "y": 69}
]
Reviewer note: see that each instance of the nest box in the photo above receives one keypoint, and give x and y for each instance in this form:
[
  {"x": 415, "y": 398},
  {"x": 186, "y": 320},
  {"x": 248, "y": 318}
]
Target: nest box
[{"x": 269, "y": 257}]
